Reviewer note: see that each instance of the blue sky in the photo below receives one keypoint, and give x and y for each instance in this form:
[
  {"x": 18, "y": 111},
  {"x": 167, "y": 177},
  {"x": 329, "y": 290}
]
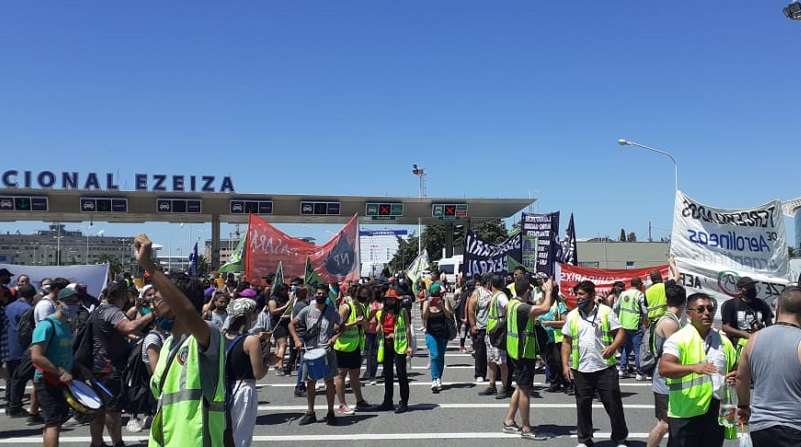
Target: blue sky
[{"x": 493, "y": 99}]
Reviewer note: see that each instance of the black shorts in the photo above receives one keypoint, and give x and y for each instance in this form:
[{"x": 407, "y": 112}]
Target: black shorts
[
  {"x": 280, "y": 330},
  {"x": 524, "y": 373},
  {"x": 55, "y": 409},
  {"x": 661, "y": 406},
  {"x": 349, "y": 360},
  {"x": 113, "y": 383}
]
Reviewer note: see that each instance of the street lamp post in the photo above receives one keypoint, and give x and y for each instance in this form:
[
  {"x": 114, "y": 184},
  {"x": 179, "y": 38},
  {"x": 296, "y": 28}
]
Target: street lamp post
[
  {"x": 623, "y": 142},
  {"x": 421, "y": 173}
]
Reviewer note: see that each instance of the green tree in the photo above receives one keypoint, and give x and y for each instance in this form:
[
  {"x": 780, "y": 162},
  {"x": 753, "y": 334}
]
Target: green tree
[
  {"x": 115, "y": 268},
  {"x": 433, "y": 238}
]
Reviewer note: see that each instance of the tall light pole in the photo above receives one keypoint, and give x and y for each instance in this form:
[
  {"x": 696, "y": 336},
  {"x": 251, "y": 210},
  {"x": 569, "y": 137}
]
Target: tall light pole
[
  {"x": 623, "y": 142},
  {"x": 421, "y": 173}
]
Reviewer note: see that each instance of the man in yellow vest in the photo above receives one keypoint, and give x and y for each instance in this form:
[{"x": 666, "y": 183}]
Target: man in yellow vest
[
  {"x": 189, "y": 379},
  {"x": 630, "y": 310},
  {"x": 348, "y": 348},
  {"x": 655, "y": 295},
  {"x": 592, "y": 335},
  {"x": 521, "y": 347},
  {"x": 697, "y": 362}
]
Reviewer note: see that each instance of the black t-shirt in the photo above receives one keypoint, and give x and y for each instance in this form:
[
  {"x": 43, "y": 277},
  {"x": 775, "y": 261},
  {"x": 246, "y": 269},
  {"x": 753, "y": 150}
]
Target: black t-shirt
[
  {"x": 747, "y": 317},
  {"x": 280, "y": 301}
]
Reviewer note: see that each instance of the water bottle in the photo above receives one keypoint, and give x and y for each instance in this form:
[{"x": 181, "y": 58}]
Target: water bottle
[
  {"x": 745, "y": 437},
  {"x": 728, "y": 406}
]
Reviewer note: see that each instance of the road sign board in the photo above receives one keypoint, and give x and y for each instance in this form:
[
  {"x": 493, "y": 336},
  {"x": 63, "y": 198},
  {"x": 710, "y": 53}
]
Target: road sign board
[
  {"x": 165, "y": 205},
  {"x": 449, "y": 211},
  {"x": 23, "y": 203},
  {"x": 242, "y": 206},
  {"x": 310, "y": 208},
  {"x": 103, "y": 205}
]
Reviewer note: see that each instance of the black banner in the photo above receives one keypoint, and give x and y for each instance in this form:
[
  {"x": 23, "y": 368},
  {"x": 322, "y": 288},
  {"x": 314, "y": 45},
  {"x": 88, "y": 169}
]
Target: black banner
[
  {"x": 482, "y": 257},
  {"x": 540, "y": 241}
]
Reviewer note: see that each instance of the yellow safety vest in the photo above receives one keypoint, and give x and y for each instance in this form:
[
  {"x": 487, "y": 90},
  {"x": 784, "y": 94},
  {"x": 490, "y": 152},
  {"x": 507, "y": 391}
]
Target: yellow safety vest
[
  {"x": 630, "y": 309},
  {"x": 513, "y": 335},
  {"x": 606, "y": 334},
  {"x": 657, "y": 301},
  {"x": 691, "y": 395},
  {"x": 187, "y": 414},
  {"x": 401, "y": 344},
  {"x": 349, "y": 339},
  {"x": 494, "y": 314}
]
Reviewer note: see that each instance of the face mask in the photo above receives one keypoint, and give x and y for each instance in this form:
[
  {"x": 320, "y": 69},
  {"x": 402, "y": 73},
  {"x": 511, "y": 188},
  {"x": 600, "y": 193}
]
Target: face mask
[
  {"x": 46, "y": 289},
  {"x": 69, "y": 311},
  {"x": 750, "y": 294},
  {"x": 321, "y": 299},
  {"x": 165, "y": 323},
  {"x": 402, "y": 282},
  {"x": 583, "y": 305},
  {"x": 145, "y": 310},
  {"x": 293, "y": 288}
]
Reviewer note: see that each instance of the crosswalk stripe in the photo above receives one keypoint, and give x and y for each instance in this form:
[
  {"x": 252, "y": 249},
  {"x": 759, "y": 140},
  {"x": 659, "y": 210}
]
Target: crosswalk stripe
[{"x": 427, "y": 406}]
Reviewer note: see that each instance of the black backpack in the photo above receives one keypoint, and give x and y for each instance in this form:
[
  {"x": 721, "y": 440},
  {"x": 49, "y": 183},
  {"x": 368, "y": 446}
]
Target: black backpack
[
  {"x": 25, "y": 327},
  {"x": 136, "y": 382},
  {"x": 83, "y": 345}
]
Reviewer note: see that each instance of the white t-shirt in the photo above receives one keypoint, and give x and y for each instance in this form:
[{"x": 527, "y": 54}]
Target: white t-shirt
[
  {"x": 590, "y": 342},
  {"x": 714, "y": 354},
  {"x": 44, "y": 308}
]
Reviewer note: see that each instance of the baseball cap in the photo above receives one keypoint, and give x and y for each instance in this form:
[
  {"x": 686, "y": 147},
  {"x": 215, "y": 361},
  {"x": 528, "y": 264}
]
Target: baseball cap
[
  {"x": 5, "y": 272},
  {"x": 435, "y": 290},
  {"x": 744, "y": 282},
  {"x": 65, "y": 293}
]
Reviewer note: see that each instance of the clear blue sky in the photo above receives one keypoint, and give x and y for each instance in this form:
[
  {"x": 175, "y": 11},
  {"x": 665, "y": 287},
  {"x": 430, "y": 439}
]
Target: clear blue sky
[{"x": 493, "y": 99}]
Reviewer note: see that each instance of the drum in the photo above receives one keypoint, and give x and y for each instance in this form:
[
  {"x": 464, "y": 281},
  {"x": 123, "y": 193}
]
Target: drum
[
  {"x": 317, "y": 363},
  {"x": 82, "y": 398}
]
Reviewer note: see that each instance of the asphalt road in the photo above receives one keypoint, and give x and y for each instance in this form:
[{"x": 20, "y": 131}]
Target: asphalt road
[{"x": 455, "y": 416}]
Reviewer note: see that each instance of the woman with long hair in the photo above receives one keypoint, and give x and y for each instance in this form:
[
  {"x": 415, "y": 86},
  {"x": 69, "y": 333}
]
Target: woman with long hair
[
  {"x": 244, "y": 367},
  {"x": 436, "y": 310}
]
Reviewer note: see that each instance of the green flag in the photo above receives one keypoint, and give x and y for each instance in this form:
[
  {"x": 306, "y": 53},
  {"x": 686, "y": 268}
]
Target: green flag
[
  {"x": 236, "y": 263},
  {"x": 415, "y": 270},
  {"x": 311, "y": 278},
  {"x": 279, "y": 273},
  {"x": 512, "y": 264}
]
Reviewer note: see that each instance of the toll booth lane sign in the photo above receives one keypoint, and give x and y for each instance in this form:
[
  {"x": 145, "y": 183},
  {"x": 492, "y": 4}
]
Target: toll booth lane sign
[
  {"x": 23, "y": 203},
  {"x": 186, "y": 206}
]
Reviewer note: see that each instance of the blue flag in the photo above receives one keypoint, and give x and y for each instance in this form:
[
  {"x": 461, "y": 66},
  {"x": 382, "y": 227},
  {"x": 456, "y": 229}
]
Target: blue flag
[{"x": 193, "y": 261}]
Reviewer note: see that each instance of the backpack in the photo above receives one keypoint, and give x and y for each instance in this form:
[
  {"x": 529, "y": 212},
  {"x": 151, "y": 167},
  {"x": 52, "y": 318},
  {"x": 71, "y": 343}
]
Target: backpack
[
  {"x": 228, "y": 438},
  {"x": 25, "y": 327},
  {"x": 83, "y": 345},
  {"x": 136, "y": 382},
  {"x": 648, "y": 356}
]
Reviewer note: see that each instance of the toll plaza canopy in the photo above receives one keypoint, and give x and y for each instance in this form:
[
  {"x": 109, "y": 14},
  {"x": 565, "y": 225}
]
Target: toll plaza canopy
[{"x": 76, "y": 205}]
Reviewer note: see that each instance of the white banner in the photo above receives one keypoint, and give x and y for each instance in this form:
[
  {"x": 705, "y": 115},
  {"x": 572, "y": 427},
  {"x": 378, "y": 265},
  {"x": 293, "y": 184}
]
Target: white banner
[
  {"x": 94, "y": 276},
  {"x": 714, "y": 247}
]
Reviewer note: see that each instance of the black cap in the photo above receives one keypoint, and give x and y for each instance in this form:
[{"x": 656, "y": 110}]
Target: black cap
[
  {"x": 744, "y": 282},
  {"x": 5, "y": 272}
]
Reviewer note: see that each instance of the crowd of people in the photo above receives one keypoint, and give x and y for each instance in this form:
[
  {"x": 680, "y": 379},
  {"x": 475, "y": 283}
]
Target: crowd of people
[{"x": 204, "y": 345}]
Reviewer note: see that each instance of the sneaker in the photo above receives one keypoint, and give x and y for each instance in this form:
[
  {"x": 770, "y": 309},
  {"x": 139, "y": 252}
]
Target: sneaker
[
  {"x": 511, "y": 429},
  {"x": 532, "y": 435},
  {"x": 345, "y": 410},
  {"x": 570, "y": 391},
  {"x": 479, "y": 380},
  {"x": 362, "y": 405},
  {"x": 639, "y": 378},
  {"x": 385, "y": 406},
  {"x": 622, "y": 374},
  {"x": 308, "y": 418},
  {"x": 300, "y": 392},
  {"x": 434, "y": 385},
  {"x": 488, "y": 391},
  {"x": 503, "y": 394},
  {"x": 134, "y": 425},
  {"x": 622, "y": 444},
  {"x": 319, "y": 387},
  {"x": 331, "y": 419},
  {"x": 554, "y": 388},
  {"x": 402, "y": 408},
  {"x": 439, "y": 384},
  {"x": 21, "y": 413},
  {"x": 582, "y": 445},
  {"x": 372, "y": 382},
  {"x": 35, "y": 419}
]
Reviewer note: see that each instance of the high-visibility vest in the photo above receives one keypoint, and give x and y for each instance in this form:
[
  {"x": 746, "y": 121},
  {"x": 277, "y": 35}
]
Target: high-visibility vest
[
  {"x": 349, "y": 339},
  {"x": 557, "y": 331},
  {"x": 401, "y": 343},
  {"x": 630, "y": 309},
  {"x": 514, "y": 334},
  {"x": 186, "y": 414},
  {"x": 494, "y": 313},
  {"x": 657, "y": 301},
  {"x": 691, "y": 395},
  {"x": 573, "y": 331}
]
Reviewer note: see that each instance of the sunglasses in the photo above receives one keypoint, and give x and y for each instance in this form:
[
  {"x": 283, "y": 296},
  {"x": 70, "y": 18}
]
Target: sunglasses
[{"x": 701, "y": 309}]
